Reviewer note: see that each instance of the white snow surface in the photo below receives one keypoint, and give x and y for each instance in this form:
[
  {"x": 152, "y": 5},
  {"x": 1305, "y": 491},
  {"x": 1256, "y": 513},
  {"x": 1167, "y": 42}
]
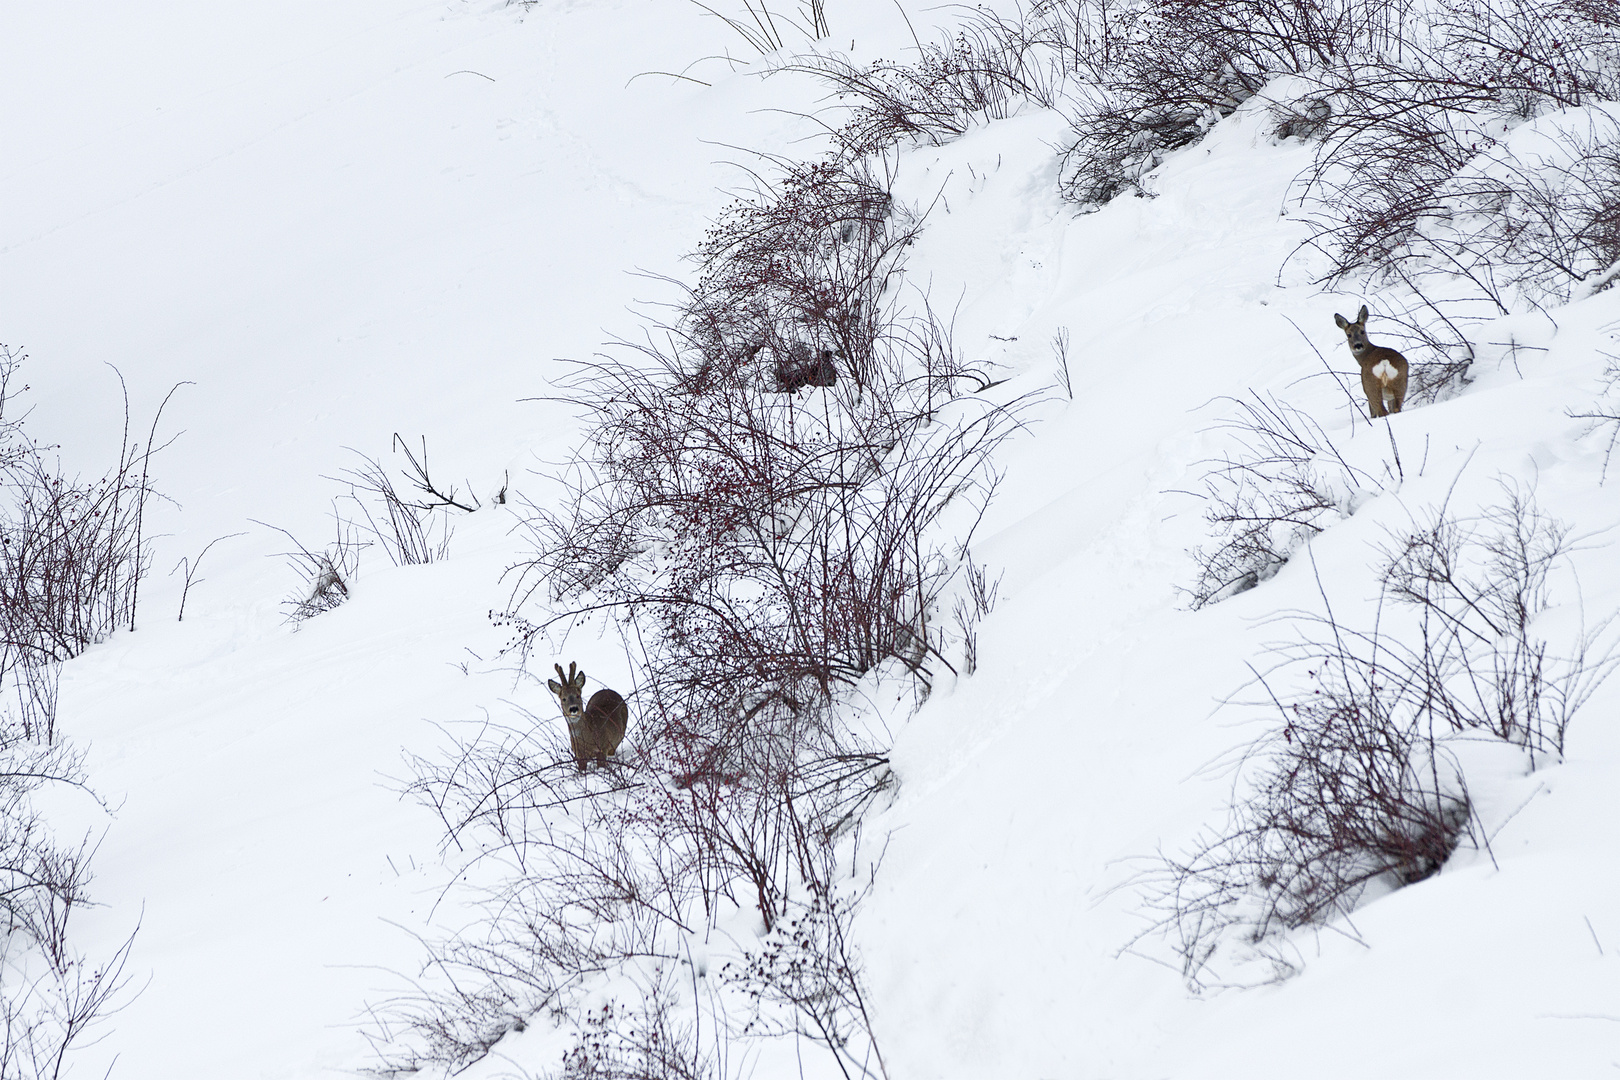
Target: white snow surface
[{"x": 333, "y": 222}]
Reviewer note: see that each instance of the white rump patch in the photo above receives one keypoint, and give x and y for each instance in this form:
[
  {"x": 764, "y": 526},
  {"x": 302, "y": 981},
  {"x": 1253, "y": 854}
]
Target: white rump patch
[{"x": 1385, "y": 372}]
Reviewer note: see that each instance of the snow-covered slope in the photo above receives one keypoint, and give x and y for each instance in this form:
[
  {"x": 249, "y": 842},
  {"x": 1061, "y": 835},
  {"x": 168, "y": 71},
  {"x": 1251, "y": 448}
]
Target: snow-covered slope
[{"x": 337, "y": 222}]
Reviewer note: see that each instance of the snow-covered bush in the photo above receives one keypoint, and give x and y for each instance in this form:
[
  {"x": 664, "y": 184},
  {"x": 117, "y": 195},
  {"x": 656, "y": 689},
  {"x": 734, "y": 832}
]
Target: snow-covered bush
[
  {"x": 1361, "y": 784},
  {"x": 1282, "y": 482},
  {"x": 1423, "y": 176},
  {"x": 765, "y": 30},
  {"x": 764, "y": 553},
  {"x": 72, "y": 556},
  {"x": 1154, "y": 76},
  {"x": 324, "y": 574},
  {"x": 986, "y": 72},
  {"x": 801, "y": 267},
  {"x": 1605, "y": 411},
  {"x": 410, "y": 526},
  {"x": 1412, "y": 108}
]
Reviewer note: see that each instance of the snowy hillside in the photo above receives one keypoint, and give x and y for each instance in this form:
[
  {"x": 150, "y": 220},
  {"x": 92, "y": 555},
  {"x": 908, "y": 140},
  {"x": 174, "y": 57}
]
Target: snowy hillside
[{"x": 358, "y": 232}]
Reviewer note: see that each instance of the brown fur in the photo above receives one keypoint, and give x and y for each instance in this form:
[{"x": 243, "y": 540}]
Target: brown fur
[
  {"x": 595, "y": 729},
  {"x": 802, "y": 368},
  {"x": 1369, "y": 356}
]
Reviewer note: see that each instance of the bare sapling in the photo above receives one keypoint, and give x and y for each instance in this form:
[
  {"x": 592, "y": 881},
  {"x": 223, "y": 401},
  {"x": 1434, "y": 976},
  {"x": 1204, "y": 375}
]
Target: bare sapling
[
  {"x": 595, "y": 729},
  {"x": 1383, "y": 370}
]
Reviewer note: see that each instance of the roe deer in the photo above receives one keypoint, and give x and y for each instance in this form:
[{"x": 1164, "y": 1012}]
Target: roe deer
[
  {"x": 803, "y": 368},
  {"x": 1383, "y": 370},
  {"x": 594, "y": 730}
]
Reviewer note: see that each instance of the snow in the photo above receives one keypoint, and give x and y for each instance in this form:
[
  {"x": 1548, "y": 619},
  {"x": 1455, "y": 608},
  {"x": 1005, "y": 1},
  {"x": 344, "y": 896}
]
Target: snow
[{"x": 338, "y": 222}]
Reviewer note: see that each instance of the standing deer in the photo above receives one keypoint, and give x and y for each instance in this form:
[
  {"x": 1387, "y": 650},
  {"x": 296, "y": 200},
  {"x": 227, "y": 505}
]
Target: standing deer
[
  {"x": 1383, "y": 370},
  {"x": 594, "y": 730}
]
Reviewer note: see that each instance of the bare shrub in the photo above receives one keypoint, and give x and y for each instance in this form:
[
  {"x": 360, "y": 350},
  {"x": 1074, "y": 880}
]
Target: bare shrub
[
  {"x": 1400, "y": 99},
  {"x": 409, "y": 525},
  {"x": 1167, "y": 71},
  {"x": 72, "y": 556},
  {"x": 645, "y": 1041},
  {"x": 1478, "y": 586},
  {"x": 325, "y": 575},
  {"x": 1546, "y": 224},
  {"x": 762, "y": 553},
  {"x": 970, "y": 610},
  {"x": 1060, "y": 352},
  {"x": 808, "y": 970},
  {"x": 1346, "y": 795},
  {"x": 612, "y": 871},
  {"x": 765, "y": 31},
  {"x": 45, "y": 1016},
  {"x": 51, "y": 997},
  {"x": 411, "y": 528},
  {"x": 780, "y": 547},
  {"x": 1283, "y": 482},
  {"x": 1606, "y": 412},
  {"x": 986, "y": 72},
  {"x": 1411, "y": 180},
  {"x": 803, "y": 263},
  {"x": 1359, "y": 784},
  {"x": 41, "y": 882},
  {"x": 776, "y": 545},
  {"x": 1434, "y": 197},
  {"x": 190, "y": 567}
]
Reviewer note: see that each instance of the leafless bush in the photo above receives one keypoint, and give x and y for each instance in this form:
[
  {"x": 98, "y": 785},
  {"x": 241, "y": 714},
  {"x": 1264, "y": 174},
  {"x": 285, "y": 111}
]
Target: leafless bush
[
  {"x": 1478, "y": 586},
  {"x": 1547, "y": 224},
  {"x": 762, "y": 552},
  {"x": 1282, "y": 483},
  {"x": 72, "y": 556},
  {"x": 45, "y": 1016},
  {"x": 803, "y": 263},
  {"x": 611, "y": 871},
  {"x": 1401, "y": 99},
  {"x": 1606, "y": 411},
  {"x": 1060, "y": 350},
  {"x": 808, "y": 969},
  {"x": 1410, "y": 179},
  {"x": 324, "y": 575},
  {"x": 1360, "y": 784},
  {"x": 191, "y": 566},
  {"x": 1154, "y": 77},
  {"x": 971, "y": 609},
  {"x": 777, "y": 545},
  {"x": 984, "y": 73},
  {"x": 41, "y": 882},
  {"x": 51, "y": 997},
  {"x": 645, "y": 1041},
  {"x": 411, "y": 529},
  {"x": 1434, "y": 197},
  {"x": 765, "y": 31}
]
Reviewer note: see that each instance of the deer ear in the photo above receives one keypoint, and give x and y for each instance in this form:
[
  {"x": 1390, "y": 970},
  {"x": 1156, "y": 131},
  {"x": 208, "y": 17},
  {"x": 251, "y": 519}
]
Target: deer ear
[
  {"x": 555, "y": 689},
  {"x": 1341, "y": 320},
  {"x": 1361, "y": 318},
  {"x": 578, "y": 681}
]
